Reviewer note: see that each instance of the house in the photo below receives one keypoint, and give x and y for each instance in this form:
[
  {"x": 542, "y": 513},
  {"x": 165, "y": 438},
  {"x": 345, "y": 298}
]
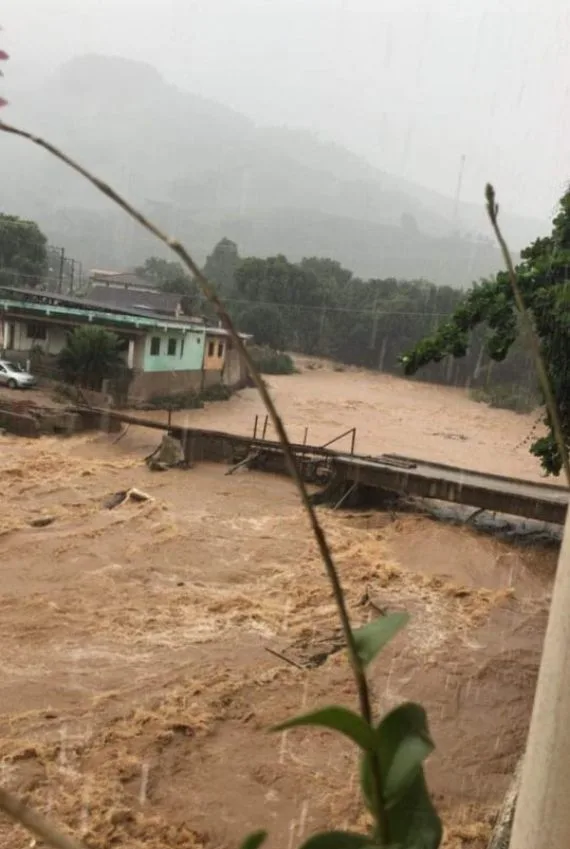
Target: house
[
  {"x": 127, "y": 290},
  {"x": 119, "y": 280},
  {"x": 165, "y": 354},
  {"x": 222, "y": 360}
]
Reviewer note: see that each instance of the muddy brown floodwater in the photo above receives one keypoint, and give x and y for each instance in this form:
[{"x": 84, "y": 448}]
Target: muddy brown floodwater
[{"x": 135, "y": 686}]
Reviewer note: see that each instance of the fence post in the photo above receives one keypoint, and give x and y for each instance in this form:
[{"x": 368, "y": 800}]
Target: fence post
[{"x": 542, "y": 816}]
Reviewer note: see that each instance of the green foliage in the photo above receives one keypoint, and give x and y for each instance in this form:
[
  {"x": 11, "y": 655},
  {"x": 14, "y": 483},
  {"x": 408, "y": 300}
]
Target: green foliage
[
  {"x": 191, "y": 399},
  {"x": 170, "y": 277},
  {"x": 393, "y": 752},
  {"x": 268, "y": 361},
  {"x": 371, "y": 638},
  {"x": 23, "y": 253},
  {"x": 91, "y": 355},
  {"x": 221, "y": 265},
  {"x": 254, "y": 840},
  {"x": 265, "y": 324},
  {"x": 403, "y": 743},
  {"x": 338, "y": 719},
  {"x": 338, "y": 840},
  {"x": 545, "y": 287},
  {"x": 519, "y": 399}
]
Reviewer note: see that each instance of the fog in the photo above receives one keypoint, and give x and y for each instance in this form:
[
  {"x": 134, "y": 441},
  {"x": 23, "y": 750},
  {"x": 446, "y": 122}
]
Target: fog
[{"x": 412, "y": 88}]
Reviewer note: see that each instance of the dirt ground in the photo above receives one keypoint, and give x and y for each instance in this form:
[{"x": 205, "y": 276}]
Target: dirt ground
[{"x": 136, "y": 688}]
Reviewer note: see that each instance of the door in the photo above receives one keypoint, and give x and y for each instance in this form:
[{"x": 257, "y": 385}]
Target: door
[
  {"x": 10, "y": 333},
  {"x": 3, "y": 375}
]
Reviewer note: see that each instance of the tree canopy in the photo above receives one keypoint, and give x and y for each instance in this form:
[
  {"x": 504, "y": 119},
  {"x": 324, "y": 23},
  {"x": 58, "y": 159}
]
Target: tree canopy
[
  {"x": 91, "y": 355},
  {"x": 221, "y": 265},
  {"x": 23, "y": 254},
  {"x": 171, "y": 277},
  {"x": 544, "y": 282}
]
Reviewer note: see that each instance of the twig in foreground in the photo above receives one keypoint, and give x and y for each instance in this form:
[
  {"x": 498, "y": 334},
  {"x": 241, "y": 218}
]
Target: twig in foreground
[
  {"x": 35, "y": 823},
  {"x": 545, "y": 385},
  {"x": 209, "y": 293}
]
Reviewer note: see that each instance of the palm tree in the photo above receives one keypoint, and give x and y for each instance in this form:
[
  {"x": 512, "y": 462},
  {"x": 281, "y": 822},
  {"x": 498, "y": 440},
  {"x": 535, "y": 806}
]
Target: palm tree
[{"x": 91, "y": 355}]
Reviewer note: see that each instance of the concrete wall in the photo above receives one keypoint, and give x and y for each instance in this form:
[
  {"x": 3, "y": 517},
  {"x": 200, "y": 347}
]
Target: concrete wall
[
  {"x": 54, "y": 341},
  {"x": 147, "y": 384},
  {"x": 215, "y": 352},
  {"x": 211, "y": 378},
  {"x": 188, "y": 355},
  {"x": 235, "y": 371}
]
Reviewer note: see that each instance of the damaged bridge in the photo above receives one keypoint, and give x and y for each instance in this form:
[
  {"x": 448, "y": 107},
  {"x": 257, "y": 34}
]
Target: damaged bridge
[{"x": 344, "y": 472}]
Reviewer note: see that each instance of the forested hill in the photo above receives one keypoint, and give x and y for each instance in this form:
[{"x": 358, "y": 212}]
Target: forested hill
[{"x": 205, "y": 171}]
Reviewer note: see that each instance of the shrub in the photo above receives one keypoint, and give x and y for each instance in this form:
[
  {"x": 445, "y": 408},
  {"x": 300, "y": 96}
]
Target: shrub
[
  {"x": 269, "y": 361},
  {"x": 519, "y": 399},
  {"x": 190, "y": 400},
  {"x": 90, "y": 356}
]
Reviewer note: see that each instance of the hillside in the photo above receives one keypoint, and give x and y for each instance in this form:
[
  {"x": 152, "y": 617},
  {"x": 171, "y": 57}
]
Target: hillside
[{"x": 206, "y": 171}]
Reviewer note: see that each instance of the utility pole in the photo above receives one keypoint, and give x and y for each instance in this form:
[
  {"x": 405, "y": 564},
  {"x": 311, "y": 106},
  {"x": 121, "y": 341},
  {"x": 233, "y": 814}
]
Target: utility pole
[
  {"x": 61, "y": 263},
  {"x": 73, "y": 263},
  {"x": 542, "y": 817}
]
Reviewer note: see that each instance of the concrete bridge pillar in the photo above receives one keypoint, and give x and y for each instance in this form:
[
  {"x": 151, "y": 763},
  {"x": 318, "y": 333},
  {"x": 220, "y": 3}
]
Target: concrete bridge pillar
[{"x": 542, "y": 817}]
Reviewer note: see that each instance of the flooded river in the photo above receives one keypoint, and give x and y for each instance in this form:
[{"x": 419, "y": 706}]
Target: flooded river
[{"x": 136, "y": 686}]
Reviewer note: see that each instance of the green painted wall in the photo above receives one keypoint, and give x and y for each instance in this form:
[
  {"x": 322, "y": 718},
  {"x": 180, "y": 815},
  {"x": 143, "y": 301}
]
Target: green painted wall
[{"x": 188, "y": 356}]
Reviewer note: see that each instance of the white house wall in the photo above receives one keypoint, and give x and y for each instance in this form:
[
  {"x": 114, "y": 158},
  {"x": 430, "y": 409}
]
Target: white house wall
[{"x": 53, "y": 343}]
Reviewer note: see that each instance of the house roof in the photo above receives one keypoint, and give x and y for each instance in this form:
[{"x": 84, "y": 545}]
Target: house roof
[
  {"x": 45, "y": 299},
  {"x": 221, "y": 331},
  {"x": 158, "y": 302},
  {"x": 42, "y": 298},
  {"x": 121, "y": 278}
]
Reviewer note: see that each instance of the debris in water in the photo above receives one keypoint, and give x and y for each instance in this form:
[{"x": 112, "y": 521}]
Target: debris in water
[
  {"x": 168, "y": 455},
  {"x": 42, "y": 522},
  {"x": 123, "y": 495}
]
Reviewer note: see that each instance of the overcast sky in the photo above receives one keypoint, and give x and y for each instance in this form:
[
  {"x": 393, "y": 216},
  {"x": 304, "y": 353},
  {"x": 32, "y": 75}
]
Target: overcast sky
[{"x": 411, "y": 84}]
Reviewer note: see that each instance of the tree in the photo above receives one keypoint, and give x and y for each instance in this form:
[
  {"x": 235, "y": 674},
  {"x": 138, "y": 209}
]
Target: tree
[
  {"x": 544, "y": 282},
  {"x": 167, "y": 276},
  {"x": 171, "y": 278},
  {"x": 265, "y": 324},
  {"x": 23, "y": 256},
  {"x": 91, "y": 355},
  {"x": 221, "y": 265}
]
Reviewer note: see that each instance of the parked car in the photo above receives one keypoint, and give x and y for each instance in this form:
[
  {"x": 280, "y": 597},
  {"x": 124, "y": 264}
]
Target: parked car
[{"x": 15, "y": 376}]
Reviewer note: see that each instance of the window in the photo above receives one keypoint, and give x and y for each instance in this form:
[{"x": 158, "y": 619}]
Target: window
[
  {"x": 211, "y": 349},
  {"x": 36, "y": 331},
  {"x": 172, "y": 347},
  {"x": 182, "y": 347},
  {"x": 221, "y": 349},
  {"x": 155, "y": 346}
]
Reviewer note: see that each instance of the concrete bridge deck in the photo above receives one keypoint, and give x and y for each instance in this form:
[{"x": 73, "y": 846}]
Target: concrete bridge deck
[{"x": 390, "y": 472}]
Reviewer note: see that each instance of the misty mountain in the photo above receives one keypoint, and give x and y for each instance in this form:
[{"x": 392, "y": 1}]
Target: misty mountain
[{"x": 204, "y": 171}]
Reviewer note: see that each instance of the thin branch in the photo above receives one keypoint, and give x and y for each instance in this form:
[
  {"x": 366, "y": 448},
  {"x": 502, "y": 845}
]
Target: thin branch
[
  {"x": 283, "y": 657},
  {"x": 318, "y": 533},
  {"x": 551, "y": 406},
  {"x": 35, "y": 823}
]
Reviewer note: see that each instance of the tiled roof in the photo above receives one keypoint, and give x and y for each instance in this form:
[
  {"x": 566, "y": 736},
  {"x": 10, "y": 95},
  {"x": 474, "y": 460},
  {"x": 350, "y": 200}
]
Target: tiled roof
[
  {"x": 121, "y": 278},
  {"x": 158, "y": 302}
]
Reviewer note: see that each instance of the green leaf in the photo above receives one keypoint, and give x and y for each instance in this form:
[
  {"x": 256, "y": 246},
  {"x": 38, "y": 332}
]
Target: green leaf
[
  {"x": 254, "y": 840},
  {"x": 337, "y": 719},
  {"x": 338, "y": 840},
  {"x": 403, "y": 743},
  {"x": 366, "y": 780},
  {"x": 376, "y": 634},
  {"x": 413, "y": 822}
]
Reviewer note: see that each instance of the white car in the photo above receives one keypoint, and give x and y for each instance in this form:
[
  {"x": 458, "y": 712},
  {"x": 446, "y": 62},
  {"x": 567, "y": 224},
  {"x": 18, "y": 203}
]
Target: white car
[{"x": 15, "y": 376}]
